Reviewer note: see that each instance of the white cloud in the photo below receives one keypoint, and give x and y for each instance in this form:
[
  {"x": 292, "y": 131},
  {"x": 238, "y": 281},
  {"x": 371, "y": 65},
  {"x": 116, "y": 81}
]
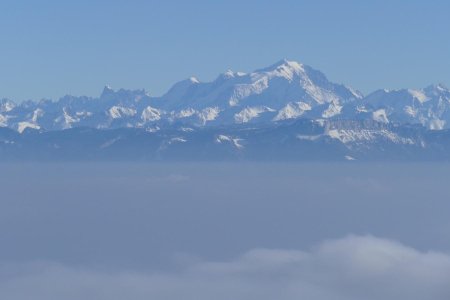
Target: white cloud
[{"x": 351, "y": 268}]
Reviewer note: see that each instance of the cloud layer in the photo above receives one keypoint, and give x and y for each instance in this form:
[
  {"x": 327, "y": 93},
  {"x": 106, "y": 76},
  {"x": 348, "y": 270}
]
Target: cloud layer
[{"x": 355, "y": 267}]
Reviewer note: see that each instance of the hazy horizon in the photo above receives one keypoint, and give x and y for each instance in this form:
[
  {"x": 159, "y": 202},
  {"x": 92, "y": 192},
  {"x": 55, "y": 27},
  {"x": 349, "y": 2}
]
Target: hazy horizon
[{"x": 129, "y": 230}]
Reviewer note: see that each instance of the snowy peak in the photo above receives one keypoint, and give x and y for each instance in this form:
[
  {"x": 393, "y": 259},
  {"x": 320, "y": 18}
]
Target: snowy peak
[
  {"x": 180, "y": 90},
  {"x": 429, "y": 107},
  {"x": 437, "y": 90},
  {"x": 292, "y": 71},
  {"x": 276, "y": 88},
  {"x": 307, "y": 76},
  {"x": 283, "y": 91},
  {"x": 283, "y": 67},
  {"x": 282, "y": 63},
  {"x": 229, "y": 74},
  {"x": 6, "y": 105}
]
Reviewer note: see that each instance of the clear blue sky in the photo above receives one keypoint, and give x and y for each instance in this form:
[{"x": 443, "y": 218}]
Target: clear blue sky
[{"x": 52, "y": 48}]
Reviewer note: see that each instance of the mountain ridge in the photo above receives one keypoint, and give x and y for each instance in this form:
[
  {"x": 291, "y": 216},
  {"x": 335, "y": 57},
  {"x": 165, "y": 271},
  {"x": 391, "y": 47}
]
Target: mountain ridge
[{"x": 282, "y": 91}]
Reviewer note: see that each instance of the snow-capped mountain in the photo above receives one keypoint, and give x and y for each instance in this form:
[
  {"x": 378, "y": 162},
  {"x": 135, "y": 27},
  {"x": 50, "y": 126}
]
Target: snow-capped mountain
[
  {"x": 429, "y": 106},
  {"x": 285, "y": 90},
  {"x": 281, "y": 92}
]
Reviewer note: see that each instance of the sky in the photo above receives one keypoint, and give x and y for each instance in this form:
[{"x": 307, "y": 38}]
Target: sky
[{"x": 53, "y": 48}]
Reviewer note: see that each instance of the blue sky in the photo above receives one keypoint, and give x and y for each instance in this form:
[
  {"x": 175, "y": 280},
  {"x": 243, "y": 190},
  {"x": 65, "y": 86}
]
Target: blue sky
[{"x": 52, "y": 48}]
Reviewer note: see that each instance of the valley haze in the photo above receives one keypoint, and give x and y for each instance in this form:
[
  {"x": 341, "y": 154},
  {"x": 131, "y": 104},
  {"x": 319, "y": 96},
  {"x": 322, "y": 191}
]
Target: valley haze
[{"x": 224, "y": 231}]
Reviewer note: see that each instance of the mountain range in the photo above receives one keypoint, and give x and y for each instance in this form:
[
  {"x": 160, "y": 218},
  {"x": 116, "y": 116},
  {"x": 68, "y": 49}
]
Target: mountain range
[{"x": 238, "y": 114}]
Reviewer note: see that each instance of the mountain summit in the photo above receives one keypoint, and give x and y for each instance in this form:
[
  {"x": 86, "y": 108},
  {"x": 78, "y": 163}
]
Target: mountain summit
[{"x": 283, "y": 91}]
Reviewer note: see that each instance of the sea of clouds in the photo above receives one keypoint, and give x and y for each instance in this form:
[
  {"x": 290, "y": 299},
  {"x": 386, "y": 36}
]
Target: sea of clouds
[
  {"x": 224, "y": 231},
  {"x": 351, "y": 268}
]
